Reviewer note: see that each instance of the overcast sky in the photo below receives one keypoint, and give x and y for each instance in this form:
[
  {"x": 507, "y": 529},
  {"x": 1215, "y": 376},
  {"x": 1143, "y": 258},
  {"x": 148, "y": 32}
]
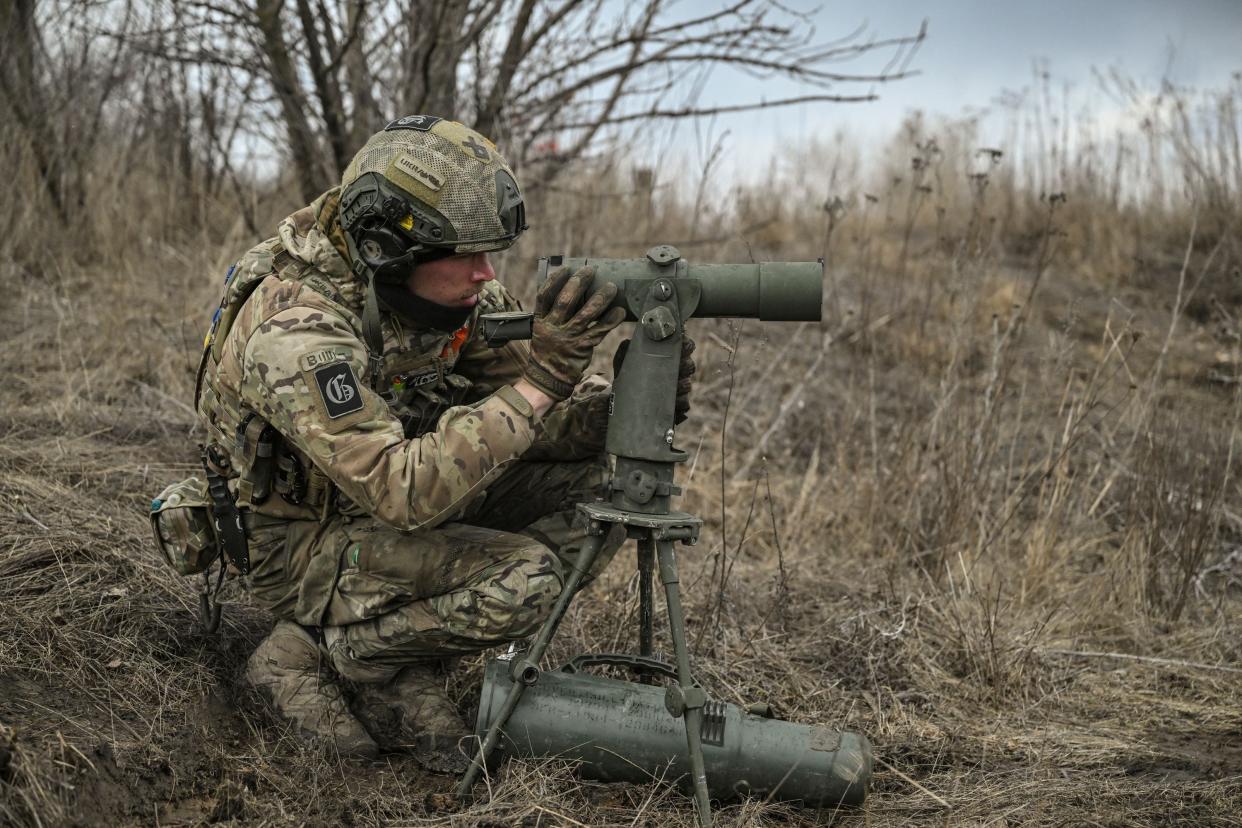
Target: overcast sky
[{"x": 977, "y": 48}]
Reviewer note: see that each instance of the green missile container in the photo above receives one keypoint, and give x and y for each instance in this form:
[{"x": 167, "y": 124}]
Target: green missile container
[{"x": 622, "y": 731}]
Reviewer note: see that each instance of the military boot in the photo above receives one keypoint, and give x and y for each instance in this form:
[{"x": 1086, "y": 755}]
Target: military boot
[
  {"x": 412, "y": 712},
  {"x": 285, "y": 668}
]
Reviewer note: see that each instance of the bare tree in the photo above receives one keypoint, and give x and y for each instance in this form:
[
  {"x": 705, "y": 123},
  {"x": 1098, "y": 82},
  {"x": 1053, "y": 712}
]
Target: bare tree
[
  {"x": 295, "y": 109},
  {"x": 21, "y": 88},
  {"x": 536, "y": 73},
  {"x": 53, "y": 93}
]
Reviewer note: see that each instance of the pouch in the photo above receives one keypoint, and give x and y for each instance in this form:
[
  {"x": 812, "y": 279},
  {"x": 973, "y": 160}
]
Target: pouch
[{"x": 181, "y": 524}]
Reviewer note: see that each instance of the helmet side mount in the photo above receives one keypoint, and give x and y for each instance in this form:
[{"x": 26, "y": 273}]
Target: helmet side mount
[
  {"x": 391, "y": 233},
  {"x": 510, "y": 207}
]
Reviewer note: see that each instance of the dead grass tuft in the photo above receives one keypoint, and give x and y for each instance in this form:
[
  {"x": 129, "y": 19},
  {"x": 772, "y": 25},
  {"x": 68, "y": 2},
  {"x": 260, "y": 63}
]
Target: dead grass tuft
[{"x": 987, "y": 512}]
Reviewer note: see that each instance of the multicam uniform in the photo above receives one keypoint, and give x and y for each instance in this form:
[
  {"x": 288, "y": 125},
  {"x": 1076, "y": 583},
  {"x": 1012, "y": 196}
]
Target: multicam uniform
[{"x": 422, "y": 512}]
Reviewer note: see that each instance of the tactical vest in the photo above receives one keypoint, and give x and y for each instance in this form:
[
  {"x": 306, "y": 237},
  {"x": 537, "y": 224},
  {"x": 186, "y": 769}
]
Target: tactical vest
[
  {"x": 247, "y": 447},
  {"x": 416, "y": 380},
  {"x": 257, "y": 476}
]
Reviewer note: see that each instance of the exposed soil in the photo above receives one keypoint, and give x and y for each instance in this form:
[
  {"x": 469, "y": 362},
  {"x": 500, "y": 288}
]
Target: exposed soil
[{"x": 1008, "y": 559}]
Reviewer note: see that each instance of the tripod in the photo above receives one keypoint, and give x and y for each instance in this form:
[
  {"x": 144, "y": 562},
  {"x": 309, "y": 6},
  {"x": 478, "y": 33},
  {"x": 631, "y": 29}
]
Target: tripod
[
  {"x": 660, "y": 292},
  {"x": 640, "y": 437},
  {"x": 656, "y": 535}
]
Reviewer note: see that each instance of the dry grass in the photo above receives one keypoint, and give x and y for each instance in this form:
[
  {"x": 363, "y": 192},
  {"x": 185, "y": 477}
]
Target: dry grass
[{"x": 947, "y": 516}]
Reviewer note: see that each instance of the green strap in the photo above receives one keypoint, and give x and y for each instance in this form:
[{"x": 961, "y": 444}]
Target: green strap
[
  {"x": 374, "y": 335},
  {"x": 371, "y": 329}
]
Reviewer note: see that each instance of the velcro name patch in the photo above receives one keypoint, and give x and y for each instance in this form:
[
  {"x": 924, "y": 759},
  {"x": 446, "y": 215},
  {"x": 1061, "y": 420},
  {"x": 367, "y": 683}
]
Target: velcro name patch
[
  {"x": 420, "y": 122},
  {"x": 424, "y": 377},
  {"x": 309, "y": 362},
  {"x": 339, "y": 389},
  {"x": 408, "y": 165}
]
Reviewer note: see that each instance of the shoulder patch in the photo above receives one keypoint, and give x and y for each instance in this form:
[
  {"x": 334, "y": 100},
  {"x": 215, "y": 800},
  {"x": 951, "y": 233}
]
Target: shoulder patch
[
  {"x": 420, "y": 122},
  {"x": 338, "y": 387}
]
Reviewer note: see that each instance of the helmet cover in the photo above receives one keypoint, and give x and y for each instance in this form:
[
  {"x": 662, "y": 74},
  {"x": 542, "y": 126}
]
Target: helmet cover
[{"x": 424, "y": 188}]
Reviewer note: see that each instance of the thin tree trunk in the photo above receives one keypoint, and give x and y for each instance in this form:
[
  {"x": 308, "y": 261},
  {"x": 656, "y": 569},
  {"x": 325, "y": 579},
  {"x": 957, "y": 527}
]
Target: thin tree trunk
[
  {"x": 367, "y": 115},
  {"x": 312, "y": 178},
  {"x": 327, "y": 88},
  {"x": 490, "y": 111},
  {"x": 436, "y": 49},
  {"x": 21, "y": 93}
]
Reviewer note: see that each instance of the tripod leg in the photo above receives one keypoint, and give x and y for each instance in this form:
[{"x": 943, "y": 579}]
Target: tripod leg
[
  {"x": 525, "y": 667},
  {"x": 646, "y": 563},
  {"x": 693, "y": 713}
]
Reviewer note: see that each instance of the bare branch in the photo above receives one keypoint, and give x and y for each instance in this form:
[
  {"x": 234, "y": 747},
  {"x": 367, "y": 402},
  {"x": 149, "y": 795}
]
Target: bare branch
[
  {"x": 606, "y": 112},
  {"x": 700, "y": 112},
  {"x": 489, "y": 111},
  {"x": 523, "y": 71}
]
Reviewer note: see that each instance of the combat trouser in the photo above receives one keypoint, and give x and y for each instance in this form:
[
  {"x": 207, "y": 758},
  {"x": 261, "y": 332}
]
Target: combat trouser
[{"x": 386, "y": 599}]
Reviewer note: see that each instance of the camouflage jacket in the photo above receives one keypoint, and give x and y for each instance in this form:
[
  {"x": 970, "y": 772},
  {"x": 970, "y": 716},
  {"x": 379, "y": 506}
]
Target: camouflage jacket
[{"x": 444, "y": 420}]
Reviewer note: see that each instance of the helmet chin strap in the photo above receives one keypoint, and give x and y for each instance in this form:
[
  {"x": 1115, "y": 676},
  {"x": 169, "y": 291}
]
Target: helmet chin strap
[
  {"x": 370, "y": 312},
  {"x": 416, "y": 308}
]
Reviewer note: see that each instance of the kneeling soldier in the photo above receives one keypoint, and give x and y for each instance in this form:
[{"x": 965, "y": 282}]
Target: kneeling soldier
[{"x": 402, "y": 493}]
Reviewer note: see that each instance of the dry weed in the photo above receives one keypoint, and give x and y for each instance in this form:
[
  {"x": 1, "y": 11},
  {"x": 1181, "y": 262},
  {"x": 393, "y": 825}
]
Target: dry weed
[{"x": 987, "y": 513}]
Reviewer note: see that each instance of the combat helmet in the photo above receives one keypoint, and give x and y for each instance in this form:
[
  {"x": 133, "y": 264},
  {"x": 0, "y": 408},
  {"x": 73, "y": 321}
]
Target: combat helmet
[
  {"x": 421, "y": 189},
  {"x": 424, "y": 188}
]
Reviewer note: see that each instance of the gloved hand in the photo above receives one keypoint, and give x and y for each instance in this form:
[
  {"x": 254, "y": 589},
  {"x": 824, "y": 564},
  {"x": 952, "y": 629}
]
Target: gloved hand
[
  {"x": 567, "y": 329},
  {"x": 685, "y": 380}
]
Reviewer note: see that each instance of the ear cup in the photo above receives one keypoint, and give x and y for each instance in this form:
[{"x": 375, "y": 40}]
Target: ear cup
[{"x": 379, "y": 244}]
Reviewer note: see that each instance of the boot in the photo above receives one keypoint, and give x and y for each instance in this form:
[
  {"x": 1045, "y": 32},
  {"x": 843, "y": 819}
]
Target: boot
[
  {"x": 412, "y": 712},
  {"x": 285, "y": 668}
]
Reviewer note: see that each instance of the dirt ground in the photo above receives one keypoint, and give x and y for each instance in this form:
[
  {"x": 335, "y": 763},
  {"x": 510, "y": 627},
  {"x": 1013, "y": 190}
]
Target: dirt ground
[{"x": 996, "y": 532}]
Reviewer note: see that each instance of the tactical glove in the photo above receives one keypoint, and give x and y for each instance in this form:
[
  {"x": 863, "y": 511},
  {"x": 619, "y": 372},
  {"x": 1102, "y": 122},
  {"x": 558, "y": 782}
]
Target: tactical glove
[
  {"x": 685, "y": 380},
  {"x": 567, "y": 329}
]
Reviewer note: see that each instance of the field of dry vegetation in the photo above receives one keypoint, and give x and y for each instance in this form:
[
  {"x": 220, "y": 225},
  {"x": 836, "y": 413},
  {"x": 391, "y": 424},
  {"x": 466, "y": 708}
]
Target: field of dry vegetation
[{"x": 988, "y": 512}]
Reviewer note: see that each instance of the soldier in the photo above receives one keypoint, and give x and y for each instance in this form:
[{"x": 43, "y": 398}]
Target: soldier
[{"x": 406, "y": 492}]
